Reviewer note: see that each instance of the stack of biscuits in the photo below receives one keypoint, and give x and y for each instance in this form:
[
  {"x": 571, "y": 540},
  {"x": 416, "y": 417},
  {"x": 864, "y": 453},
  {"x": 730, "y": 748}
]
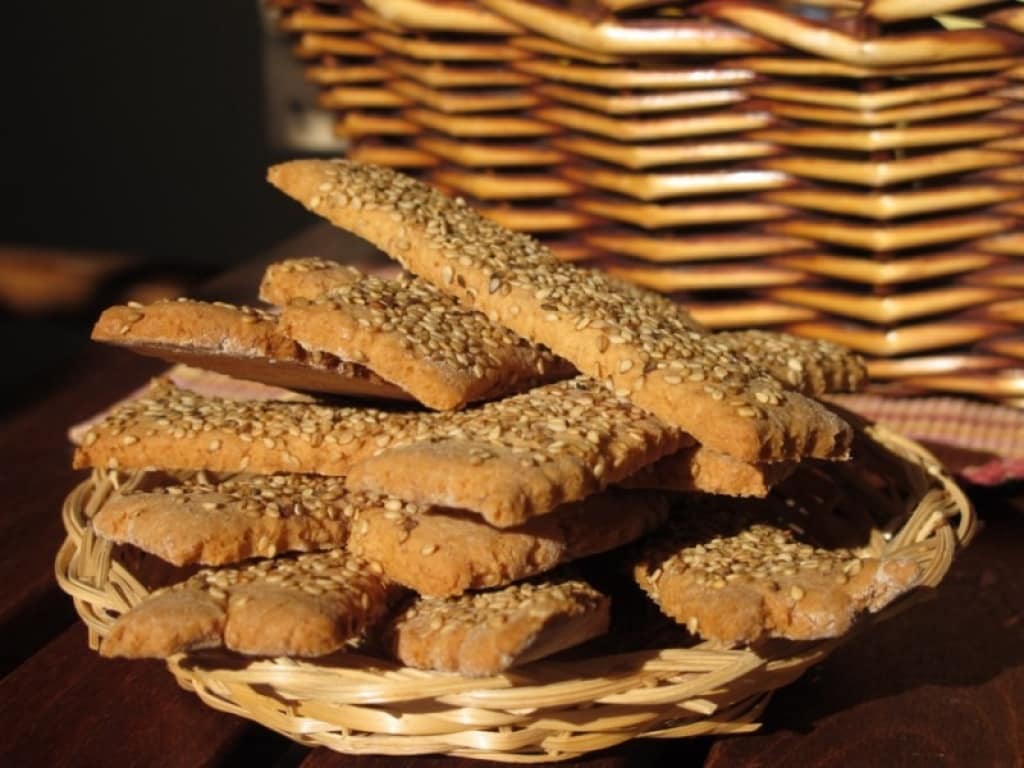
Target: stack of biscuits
[{"x": 475, "y": 429}]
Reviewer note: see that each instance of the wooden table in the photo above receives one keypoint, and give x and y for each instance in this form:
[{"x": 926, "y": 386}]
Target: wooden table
[{"x": 940, "y": 684}]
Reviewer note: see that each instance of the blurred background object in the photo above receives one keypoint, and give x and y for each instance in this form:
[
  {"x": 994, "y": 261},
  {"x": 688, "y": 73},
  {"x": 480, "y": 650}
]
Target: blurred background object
[
  {"x": 840, "y": 169},
  {"x": 135, "y": 141}
]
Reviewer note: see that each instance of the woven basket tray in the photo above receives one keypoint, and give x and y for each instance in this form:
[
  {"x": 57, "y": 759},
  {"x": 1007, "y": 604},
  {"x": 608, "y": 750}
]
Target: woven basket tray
[{"x": 547, "y": 710}]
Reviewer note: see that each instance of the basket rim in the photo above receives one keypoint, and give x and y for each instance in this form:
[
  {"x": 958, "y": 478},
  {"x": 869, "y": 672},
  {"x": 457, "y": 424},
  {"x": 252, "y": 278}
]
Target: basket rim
[{"x": 544, "y": 711}]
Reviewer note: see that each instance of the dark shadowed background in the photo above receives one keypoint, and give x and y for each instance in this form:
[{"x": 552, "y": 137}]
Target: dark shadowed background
[{"x": 134, "y": 137}]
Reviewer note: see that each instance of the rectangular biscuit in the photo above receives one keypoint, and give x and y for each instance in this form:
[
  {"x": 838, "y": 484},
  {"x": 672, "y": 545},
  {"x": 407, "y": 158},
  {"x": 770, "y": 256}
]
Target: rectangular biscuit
[
  {"x": 411, "y": 334},
  {"x": 517, "y": 458},
  {"x": 311, "y": 605},
  {"x": 488, "y": 632},
  {"x": 507, "y": 460},
  {"x": 810, "y": 366},
  {"x": 239, "y": 341},
  {"x": 440, "y": 552},
  {"x": 210, "y": 522},
  {"x": 643, "y": 346},
  {"x": 702, "y": 470},
  {"x": 171, "y": 428}
]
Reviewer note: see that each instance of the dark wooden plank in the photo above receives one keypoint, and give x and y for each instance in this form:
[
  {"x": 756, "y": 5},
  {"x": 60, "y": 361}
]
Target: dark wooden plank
[
  {"x": 35, "y": 475},
  {"x": 681, "y": 753},
  {"x": 67, "y": 706},
  {"x": 941, "y": 684}
]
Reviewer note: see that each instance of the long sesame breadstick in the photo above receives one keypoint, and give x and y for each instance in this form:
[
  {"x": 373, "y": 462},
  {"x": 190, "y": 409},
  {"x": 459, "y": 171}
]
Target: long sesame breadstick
[
  {"x": 521, "y": 457},
  {"x": 641, "y": 345},
  {"x": 171, "y": 428},
  {"x": 810, "y": 366},
  {"x": 508, "y": 460}
]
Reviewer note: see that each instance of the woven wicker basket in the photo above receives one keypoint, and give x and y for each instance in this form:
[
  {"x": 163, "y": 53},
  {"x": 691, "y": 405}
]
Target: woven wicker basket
[
  {"x": 546, "y": 710},
  {"x": 842, "y": 169}
]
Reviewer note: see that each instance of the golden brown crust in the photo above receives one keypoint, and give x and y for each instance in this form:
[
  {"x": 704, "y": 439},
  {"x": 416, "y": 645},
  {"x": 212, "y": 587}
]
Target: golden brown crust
[
  {"x": 171, "y": 428},
  {"x": 811, "y": 366},
  {"x": 523, "y": 456},
  {"x": 735, "y": 580},
  {"x": 441, "y": 552},
  {"x": 238, "y": 341},
  {"x": 700, "y": 469},
  {"x": 411, "y": 334},
  {"x": 508, "y": 460},
  {"x": 307, "y": 606},
  {"x": 642, "y": 345},
  {"x": 217, "y": 523},
  {"x": 486, "y": 633},
  {"x": 310, "y": 278}
]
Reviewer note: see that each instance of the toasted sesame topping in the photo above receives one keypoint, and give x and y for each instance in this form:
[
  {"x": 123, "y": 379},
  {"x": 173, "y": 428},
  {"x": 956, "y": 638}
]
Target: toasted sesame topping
[
  {"x": 420, "y": 339},
  {"x": 223, "y": 335},
  {"x": 576, "y": 418},
  {"x": 460, "y": 251},
  {"x": 811, "y": 366},
  {"x": 749, "y": 572},
  {"x": 486, "y": 632}
]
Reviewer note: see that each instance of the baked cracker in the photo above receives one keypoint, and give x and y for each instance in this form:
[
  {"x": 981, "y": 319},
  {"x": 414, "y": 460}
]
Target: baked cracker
[
  {"x": 486, "y": 633},
  {"x": 308, "y": 606},
  {"x": 507, "y": 460},
  {"x": 642, "y": 345},
  {"x": 238, "y": 341},
  {"x": 439, "y": 552},
  {"x": 420, "y": 339},
  {"x": 201, "y": 520},
  {"x": 811, "y": 366},
  {"x": 520, "y": 457},
  {"x": 702, "y": 470},
  {"x": 172, "y": 428},
  {"x": 737, "y": 579}
]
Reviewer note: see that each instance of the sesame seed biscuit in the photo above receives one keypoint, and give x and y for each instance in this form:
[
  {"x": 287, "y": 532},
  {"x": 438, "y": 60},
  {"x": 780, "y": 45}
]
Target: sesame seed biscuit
[
  {"x": 411, "y": 334},
  {"x": 307, "y": 606},
  {"x": 310, "y": 278},
  {"x": 441, "y": 552},
  {"x": 811, "y": 366},
  {"x": 200, "y": 520},
  {"x": 520, "y": 457},
  {"x": 507, "y": 460},
  {"x": 238, "y": 341},
  {"x": 736, "y": 580},
  {"x": 171, "y": 428},
  {"x": 700, "y": 469},
  {"x": 486, "y": 633},
  {"x": 642, "y": 345}
]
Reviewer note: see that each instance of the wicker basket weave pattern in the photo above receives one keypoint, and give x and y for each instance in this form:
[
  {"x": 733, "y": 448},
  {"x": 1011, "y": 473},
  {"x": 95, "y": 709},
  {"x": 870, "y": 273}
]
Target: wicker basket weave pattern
[
  {"x": 836, "y": 168},
  {"x": 546, "y": 710}
]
